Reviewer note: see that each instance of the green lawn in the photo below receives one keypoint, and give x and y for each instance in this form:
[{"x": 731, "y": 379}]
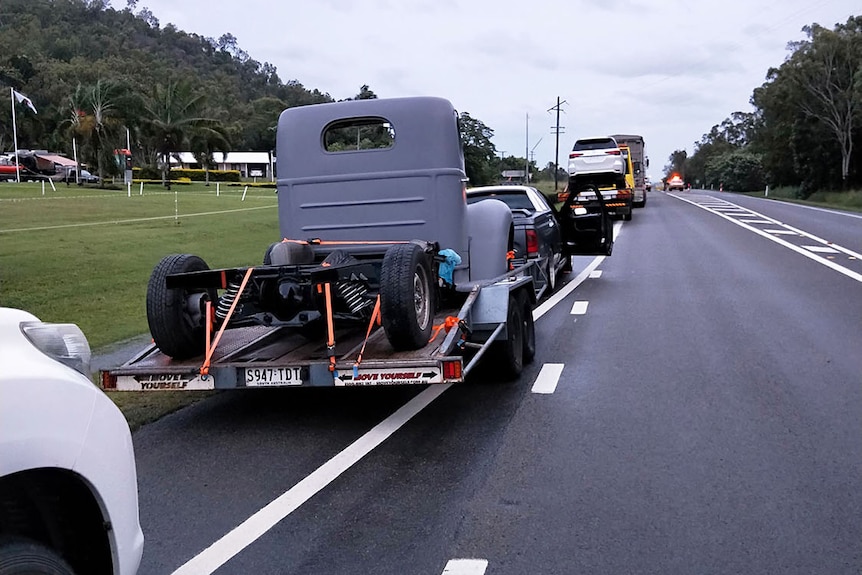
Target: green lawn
[{"x": 84, "y": 255}]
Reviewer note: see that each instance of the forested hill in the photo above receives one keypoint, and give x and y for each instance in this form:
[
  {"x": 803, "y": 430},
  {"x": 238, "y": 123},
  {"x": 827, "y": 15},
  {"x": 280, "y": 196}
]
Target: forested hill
[{"x": 49, "y": 49}]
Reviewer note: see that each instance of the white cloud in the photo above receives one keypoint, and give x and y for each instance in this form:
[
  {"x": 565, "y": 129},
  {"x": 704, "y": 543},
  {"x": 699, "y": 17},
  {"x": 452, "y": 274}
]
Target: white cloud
[{"x": 669, "y": 70}]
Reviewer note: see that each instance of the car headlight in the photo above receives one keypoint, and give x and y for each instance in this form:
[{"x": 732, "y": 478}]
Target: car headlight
[
  {"x": 580, "y": 211},
  {"x": 64, "y": 342}
]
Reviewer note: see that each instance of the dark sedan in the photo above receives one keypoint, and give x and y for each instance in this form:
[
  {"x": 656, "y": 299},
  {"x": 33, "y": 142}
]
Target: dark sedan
[{"x": 537, "y": 233}]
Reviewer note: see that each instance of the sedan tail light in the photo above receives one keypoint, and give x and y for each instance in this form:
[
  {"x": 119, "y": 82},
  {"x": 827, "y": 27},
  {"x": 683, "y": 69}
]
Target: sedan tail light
[{"x": 532, "y": 242}]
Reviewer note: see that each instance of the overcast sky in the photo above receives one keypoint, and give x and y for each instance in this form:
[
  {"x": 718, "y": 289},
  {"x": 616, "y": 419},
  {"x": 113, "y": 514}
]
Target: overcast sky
[{"x": 668, "y": 70}]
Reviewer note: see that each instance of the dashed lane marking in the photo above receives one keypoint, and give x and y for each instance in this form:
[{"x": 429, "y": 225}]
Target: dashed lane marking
[
  {"x": 822, "y": 249},
  {"x": 465, "y": 567},
  {"x": 756, "y": 221},
  {"x": 781, "y": 232},
  {"x": 572, "y": 285},
  {"x": 580, "y": 307},
  {"x": 548, "y": 377},
  {"x": 595, "y": 274},
  {"x": 247, "y": 532}
]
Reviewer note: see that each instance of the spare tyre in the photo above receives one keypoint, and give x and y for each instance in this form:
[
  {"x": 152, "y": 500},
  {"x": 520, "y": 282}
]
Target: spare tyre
[
  {"x": 177, "y": 317},
  {"x": 407, "y": 296}
]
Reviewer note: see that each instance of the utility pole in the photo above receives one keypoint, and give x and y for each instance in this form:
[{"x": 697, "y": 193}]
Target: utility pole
[
  {"x": 527, "y": 153},
  {"x": 556, "y": 129}
]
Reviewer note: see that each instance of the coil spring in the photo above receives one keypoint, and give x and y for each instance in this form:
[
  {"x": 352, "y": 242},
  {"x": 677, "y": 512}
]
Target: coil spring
[
  {"x": 353, "y": 294},
  {"x": 226, "y": 300}
]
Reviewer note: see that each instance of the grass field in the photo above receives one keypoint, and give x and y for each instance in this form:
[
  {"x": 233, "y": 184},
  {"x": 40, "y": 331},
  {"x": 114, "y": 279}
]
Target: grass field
[{"x": 85, "y": 255}]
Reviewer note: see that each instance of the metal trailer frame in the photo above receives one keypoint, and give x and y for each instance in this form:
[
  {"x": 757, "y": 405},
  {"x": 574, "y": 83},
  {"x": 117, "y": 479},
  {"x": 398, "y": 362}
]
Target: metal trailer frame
[{"x": 260, "y": 356}]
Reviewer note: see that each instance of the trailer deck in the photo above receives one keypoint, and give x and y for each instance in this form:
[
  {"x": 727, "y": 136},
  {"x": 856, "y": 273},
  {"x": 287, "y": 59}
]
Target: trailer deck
[{"x": 260, "y": 356}]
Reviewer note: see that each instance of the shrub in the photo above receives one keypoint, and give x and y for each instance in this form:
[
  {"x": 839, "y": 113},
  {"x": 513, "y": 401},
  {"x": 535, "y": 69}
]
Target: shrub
[{"x": 152, "y": 173}]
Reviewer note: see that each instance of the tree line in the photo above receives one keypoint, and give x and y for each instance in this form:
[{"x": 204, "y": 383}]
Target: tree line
[
  {"x": 104, "y": 78},
  {"x": 806, "y": 128}
]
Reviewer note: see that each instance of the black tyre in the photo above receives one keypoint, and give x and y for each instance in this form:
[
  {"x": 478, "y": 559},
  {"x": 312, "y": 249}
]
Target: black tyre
[
  {"x": 407, "y": 297},
  {"x": 627, "y": 217},
  {"x": 508, "y": 354},
  {"x": 267, "y": 255},
  {"x": 528, "y": 327},
  {"x": 23, "y": 556},
  {"x": 176, "y": 317}
]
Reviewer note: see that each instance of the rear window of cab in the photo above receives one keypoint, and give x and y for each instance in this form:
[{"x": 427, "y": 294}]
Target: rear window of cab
[{"x": 595, "y": 144}]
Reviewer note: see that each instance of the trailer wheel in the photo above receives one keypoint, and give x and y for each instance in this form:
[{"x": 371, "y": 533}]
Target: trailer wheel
[
  {"x": 529, "y": 328},
  {"x": 407, "y": 297},
  {"x": 176, "y": 316},
  {"x": 508, "y": 354},
  {"x": 19, "y": 556}
]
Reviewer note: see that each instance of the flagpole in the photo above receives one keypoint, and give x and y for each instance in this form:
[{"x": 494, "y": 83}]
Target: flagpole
[
  {"x": 75, "y": 154},
  {"x": 15, "y": 135}
]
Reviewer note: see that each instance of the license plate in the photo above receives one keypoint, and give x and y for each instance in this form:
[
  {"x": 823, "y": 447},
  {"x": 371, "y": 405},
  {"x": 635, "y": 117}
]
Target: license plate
[{"x": 272, "y": 376}]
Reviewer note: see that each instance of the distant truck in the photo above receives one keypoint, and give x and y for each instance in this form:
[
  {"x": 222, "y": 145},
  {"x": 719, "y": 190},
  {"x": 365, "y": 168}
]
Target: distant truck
[
  {"x": 384, "y": 276},
  {"x": 640, "y": 163}
]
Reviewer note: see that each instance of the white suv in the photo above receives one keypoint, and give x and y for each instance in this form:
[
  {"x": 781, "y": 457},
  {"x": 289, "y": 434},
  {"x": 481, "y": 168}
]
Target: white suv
[
  {"x": 596, "y": 155},
  {"x": 68, "y": 483}
]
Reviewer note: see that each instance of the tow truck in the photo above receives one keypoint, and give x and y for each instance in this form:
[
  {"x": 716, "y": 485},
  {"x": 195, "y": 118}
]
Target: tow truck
[
  {"x": 675, "y": 182},
  {"x": 384, "y": 274}
]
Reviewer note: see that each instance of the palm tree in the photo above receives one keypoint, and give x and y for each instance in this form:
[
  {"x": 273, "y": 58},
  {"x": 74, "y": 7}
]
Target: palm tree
[
  {"x": 95, "y": 118},
  {"x": 174, "y": 112}
]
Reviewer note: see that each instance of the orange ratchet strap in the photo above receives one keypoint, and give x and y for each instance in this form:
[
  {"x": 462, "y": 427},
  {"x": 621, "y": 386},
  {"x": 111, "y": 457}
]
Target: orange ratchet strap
[
  {"x": 450, "y": 322},
  {"x": 330, "y": 328},
  {"x": 205, "y": 368},
  {"x": 375, "y": 318}
]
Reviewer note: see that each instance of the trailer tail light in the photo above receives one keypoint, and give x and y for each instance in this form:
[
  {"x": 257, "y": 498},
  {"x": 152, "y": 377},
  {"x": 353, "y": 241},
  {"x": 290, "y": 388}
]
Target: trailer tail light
[
  {"x": 109, "y": 381},
  {"x": 452, "y": 370},
  {"x": 532, "y": 242}
]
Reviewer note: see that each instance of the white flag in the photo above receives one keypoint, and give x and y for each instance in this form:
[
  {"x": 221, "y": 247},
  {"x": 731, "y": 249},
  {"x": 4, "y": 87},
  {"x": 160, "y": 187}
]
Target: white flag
[{"x": 22, "y": 99}]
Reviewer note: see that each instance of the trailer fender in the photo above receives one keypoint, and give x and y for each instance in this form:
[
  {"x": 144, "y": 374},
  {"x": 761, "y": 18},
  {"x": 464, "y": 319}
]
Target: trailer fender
[{"x": 491, "y": 238}]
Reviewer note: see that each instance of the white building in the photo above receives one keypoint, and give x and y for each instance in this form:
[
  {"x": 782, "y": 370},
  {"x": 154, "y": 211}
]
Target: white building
[{"x": 248, "y": 164}]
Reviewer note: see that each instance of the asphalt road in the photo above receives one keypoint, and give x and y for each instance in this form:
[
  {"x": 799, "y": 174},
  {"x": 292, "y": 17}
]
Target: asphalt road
[{"x": 707, "y": 418}]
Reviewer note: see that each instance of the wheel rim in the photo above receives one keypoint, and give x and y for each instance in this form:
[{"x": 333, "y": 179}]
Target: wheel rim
[
  {"x": 420, "y": 298},
  {"x": 552, "y": 277}
]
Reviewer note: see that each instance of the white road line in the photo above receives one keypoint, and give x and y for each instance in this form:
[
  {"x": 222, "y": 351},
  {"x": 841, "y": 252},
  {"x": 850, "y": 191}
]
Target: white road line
[
  {"x": 781, "y": 232},
  {"x": 830, "y": 264},
  {"x": 579, "y": 307},
  {"x": 548, "y": 377},
  {"x": 252, "y": 528},
  {"x": 222, "y": 550},
  {"x": 465, "y": 567},
  {"x": 595, "y": 274},
  {"x": 756, "y": 221},
  {"x": 822, "y": 249},
  {"x": 131, "y": 221},
  {"x": 815, "y": 208},
  {"x": 572, "y": 285}
]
